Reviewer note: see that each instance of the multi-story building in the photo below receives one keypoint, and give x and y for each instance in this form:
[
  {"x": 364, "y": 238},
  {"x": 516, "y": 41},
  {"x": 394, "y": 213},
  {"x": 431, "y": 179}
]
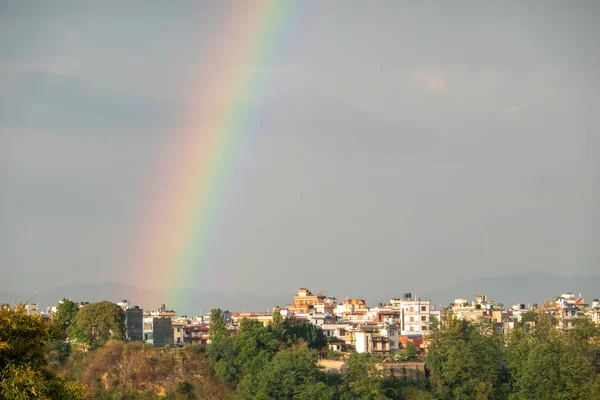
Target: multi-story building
[
  {"x": 416, "y": 315},
  {"x": 134, "y": 324},
  {"x": 196, "y": 334},
  {"x": 593, "y": 313},
  {"x": 568, "y": 308},
  {"x": 305, "y": 301},
  {"x": 352, "y": 310},
  {"x": 158, "y": 327},
  {"x": 373, "y": 338}
]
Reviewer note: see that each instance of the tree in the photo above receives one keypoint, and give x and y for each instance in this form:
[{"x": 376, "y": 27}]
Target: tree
[
  {"x": 97, "y": 323},
  {"x": 292, "y": 374},
  {"x": 65, "y": 313},
  {"x": 466, "y": 363},
  {"x": 311, "y": 334},
  {"x": 277, "y": 326},
  {"x": 217, "y": 327},
  {"x": 23, "y": 367},
  {"x": 363, "y": 379},
  {"x": 554, "y": 371}
]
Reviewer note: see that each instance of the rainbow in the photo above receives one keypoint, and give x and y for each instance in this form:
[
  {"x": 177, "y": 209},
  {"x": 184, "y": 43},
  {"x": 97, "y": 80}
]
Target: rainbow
[{"x": 201, "y": 153}]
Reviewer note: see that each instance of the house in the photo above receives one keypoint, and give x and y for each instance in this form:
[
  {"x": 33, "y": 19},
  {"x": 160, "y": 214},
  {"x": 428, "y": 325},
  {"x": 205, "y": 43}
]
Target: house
[
  {"x": 373, "y": 338},
  {"x": 415, "y": 315},
  {"x": 305, "y": 301},
  {"x": 195, "y": 334}
]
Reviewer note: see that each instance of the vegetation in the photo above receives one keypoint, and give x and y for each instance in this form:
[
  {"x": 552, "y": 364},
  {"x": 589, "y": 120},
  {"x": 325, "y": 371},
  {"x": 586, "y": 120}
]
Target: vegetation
[
  {"x": 465, "y": 360},
  {"x": 469, "y": 360},
  {"x": 24, "y": 370},
  {"x": 97, "y": 323},
  {"x": 136, "y": 370}
]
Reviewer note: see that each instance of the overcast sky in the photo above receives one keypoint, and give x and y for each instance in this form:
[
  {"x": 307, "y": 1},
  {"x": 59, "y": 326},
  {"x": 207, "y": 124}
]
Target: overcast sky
[{"x": 397, "y": 144}]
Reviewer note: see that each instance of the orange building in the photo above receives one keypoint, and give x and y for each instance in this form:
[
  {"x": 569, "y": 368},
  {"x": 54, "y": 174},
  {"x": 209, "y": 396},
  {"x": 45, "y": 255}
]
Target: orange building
[{"x": 305, "y": 301}]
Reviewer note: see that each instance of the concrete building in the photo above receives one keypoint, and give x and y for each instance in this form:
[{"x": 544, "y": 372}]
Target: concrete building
[
  {"x": 352, "y": 310},
  {"x": 305, "y": 301},
  {"x": 416, "y": 315},
  {"x": 196, "y": 334},
  {"x": 373, "y": 338},
  {"x": 134, "y": 324},
  {"x": 160, "y": 333},
  {"x": 158, "y": 327}
]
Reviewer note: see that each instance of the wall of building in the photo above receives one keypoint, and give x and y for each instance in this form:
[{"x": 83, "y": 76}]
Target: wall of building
[
  {"x": 162, "y": 332},
  {"x": 134, "y": 324}
]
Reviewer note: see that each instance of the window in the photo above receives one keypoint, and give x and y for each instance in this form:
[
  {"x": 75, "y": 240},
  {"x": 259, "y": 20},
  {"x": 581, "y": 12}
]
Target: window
[
  {"x": 423, "y": 308},
  {"x": 423, "y": 318},
  {"x": 423, "y": 328}
]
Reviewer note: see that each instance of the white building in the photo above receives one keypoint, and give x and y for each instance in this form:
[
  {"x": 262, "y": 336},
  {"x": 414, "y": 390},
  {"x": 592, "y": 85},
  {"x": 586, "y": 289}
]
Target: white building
[{"x": 416, "y": 315}]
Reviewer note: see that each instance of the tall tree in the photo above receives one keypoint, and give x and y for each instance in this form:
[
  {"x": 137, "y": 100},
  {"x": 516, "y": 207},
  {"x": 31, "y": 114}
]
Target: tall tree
[
  {"x": 216, "y": 328},
  {"x": 97, "y": 323},
  {"x": 66, "y": 311},
  {"x": 464, "y": 362},
  {"x": 277, "y": 326}
]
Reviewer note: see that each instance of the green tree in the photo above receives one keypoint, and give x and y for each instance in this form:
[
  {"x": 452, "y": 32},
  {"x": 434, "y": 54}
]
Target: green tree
[
  {"x": 464, "y": 362},
  {"x": 554, "y": 371},
  {"x": 311, "y": 334},
  {"x": 292, "y": 374},
  {"x": 66, "y": 311},
  {"x": 278, "y": 326},
  {"x": 244, "y": 354},
  {"x": 24, "y": 372},
  {"x": 217, "y": 328},
  {"x": 363, "y": 379},
  {"x": 97, "y": 323}
]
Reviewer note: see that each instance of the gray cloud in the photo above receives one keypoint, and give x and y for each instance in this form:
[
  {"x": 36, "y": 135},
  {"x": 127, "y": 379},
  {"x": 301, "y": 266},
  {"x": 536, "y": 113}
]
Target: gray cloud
[{"x": 387, "y": 140}]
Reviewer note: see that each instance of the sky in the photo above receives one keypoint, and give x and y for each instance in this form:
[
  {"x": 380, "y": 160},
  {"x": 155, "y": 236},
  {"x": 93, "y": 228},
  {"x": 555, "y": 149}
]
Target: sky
[{"x": 409, "y": 145}]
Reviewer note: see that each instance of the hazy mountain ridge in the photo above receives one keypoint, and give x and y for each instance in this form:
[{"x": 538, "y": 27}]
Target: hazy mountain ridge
[{"x": 534, "y": 287}]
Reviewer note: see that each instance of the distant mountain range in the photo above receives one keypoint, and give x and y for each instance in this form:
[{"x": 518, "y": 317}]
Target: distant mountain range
[{"x": 534, "y": 287}]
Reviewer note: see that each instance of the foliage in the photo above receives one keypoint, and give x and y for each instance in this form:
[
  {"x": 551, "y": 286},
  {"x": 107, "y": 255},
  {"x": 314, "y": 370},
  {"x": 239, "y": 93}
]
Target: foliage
[
  {"x": 466, "y": 363},
  {"x": 97, "y": 323},
  {"x": 411, "y": 353},
  {"x": 363, "y": 379},
  {"x": 217, "y": 328},
  {"x": 24, "y": 372},
  {"x": 66, "y": 311},
  {"x": 278, "y": 326},
  {"x": 137, "y": 370},
  {"x": 292, "y": 374},
  {"x": 311, "y": 334}
]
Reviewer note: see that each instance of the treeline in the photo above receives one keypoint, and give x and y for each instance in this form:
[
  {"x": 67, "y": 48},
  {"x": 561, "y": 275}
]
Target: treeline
[
  {"x": 279, "y": 362},
  {"x": 534, "y": 361}
]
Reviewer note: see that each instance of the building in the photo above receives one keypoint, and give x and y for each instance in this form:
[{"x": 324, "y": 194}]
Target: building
[
  {"x": 305, "y": 301},
  {"x": 134, "y": 324},
  {"x": 373, "y": 338},
  {"x": 159, "y": 332},
  {"x": 568, "y": 308},
  {"x": 264, "y": 318},
  {"x": 196, "y": 334},
  {"x": 416, "y": 315},
  {"x": 158, "y": 327},
  {"x": 352, "y": 310}
]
